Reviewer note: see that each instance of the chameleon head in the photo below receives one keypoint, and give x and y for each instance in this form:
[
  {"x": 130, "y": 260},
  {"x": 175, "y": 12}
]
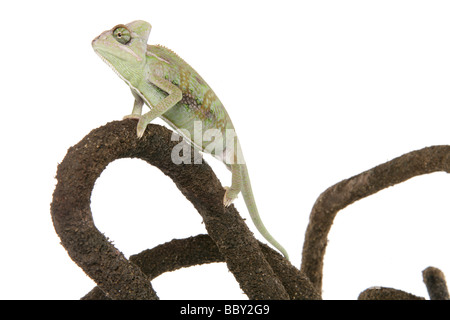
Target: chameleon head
[{"x": 124, "y": 47}]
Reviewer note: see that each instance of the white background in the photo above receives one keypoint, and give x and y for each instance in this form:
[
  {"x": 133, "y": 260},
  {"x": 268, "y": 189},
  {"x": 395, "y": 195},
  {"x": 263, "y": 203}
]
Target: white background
[{"x": 318, "y": 91}]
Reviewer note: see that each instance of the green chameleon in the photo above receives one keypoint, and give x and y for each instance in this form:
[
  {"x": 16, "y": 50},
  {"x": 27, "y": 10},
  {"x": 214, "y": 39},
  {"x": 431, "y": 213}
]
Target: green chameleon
[{"x": 174, "y": 91}]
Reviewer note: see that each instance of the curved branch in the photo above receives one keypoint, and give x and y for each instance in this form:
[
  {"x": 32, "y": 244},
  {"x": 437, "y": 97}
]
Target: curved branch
[
  {"x": 344, "y": 193},
  {"x": 201, "y": 249},
  {"x": 107, "y": 266}
]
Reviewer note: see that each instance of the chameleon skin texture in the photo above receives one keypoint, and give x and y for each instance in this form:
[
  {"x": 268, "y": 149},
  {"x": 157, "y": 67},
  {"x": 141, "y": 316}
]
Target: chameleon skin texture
[
  {"x": 175, "y": 92},
  {"x": 199, "y": 102}
]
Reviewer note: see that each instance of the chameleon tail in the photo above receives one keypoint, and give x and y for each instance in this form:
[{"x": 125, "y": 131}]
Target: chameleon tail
[{"x": 247, "y": 194}]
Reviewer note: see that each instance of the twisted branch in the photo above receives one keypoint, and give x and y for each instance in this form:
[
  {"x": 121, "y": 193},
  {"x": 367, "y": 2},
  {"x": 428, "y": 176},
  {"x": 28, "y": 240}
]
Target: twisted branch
[
  {"x": 201, "y": 249},
  {"x": 115, "y": 275},
  {"x": 261, "y": 272},
  {"x": 344, "y": 193}
]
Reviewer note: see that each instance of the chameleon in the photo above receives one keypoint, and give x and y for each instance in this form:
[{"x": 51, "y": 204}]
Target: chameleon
[{"x": 176, "y": 93}]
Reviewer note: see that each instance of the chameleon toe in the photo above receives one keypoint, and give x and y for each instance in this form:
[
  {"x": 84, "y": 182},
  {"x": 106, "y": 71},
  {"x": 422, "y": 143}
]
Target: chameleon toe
[
  {"x": 229, "y": 197},
  {"x": 132, "y": 116},
  {"x": 140, "y": 128}
]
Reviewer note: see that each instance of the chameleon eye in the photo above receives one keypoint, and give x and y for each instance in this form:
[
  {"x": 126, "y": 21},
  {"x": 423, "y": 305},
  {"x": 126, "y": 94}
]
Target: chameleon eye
[{"x": 122, "y": 35}]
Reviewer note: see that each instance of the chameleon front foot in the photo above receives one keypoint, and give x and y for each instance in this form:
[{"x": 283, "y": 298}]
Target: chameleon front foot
[
  {"x": 141, "y": 128},
  {"x": 229, "y": 196},
  {"x": 132, "y": 116}
]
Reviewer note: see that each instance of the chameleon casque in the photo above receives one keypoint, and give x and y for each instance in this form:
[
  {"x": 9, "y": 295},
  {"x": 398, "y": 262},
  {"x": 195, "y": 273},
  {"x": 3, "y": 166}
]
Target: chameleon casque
[{"x": 174, "y": 91}]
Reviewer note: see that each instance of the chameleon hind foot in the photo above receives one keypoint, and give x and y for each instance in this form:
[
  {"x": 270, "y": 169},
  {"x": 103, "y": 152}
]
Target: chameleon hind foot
[{"x": 229, "y": 196}]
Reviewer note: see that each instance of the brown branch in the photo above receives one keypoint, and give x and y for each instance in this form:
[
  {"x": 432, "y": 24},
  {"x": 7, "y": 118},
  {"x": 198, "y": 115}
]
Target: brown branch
[
  {"x": 177, "y": 254},
  {"x": 201, "y": 249},
  {"x": 106, "y": 265},
  {"x": 344, "y": 193},
  {"x": 168, "y": 257},
  {"x": 436, "y": 285},
  {"x": 382, "y": 293}
]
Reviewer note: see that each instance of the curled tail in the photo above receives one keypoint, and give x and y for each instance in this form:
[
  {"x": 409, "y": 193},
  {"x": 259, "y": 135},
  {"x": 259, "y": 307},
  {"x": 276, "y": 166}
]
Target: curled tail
[{"x": 247, "y": 194}]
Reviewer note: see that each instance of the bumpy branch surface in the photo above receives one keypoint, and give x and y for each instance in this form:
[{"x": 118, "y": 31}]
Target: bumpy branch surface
[
  {"x": 201, "y": 249},
  {"x": 382, "y": 293},
  {"x": 436, "y": 285},
  {"x": 106, "y": 265},
  {"x": 344, "y": 193}
]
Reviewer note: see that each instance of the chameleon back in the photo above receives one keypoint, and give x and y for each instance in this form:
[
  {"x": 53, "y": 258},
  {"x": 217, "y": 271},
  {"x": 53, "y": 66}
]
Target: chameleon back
[{"x": 199, "y": 108}]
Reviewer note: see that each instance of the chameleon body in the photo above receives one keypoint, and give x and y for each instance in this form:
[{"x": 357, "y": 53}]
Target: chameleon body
[{"x": 174, "y": 91}]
